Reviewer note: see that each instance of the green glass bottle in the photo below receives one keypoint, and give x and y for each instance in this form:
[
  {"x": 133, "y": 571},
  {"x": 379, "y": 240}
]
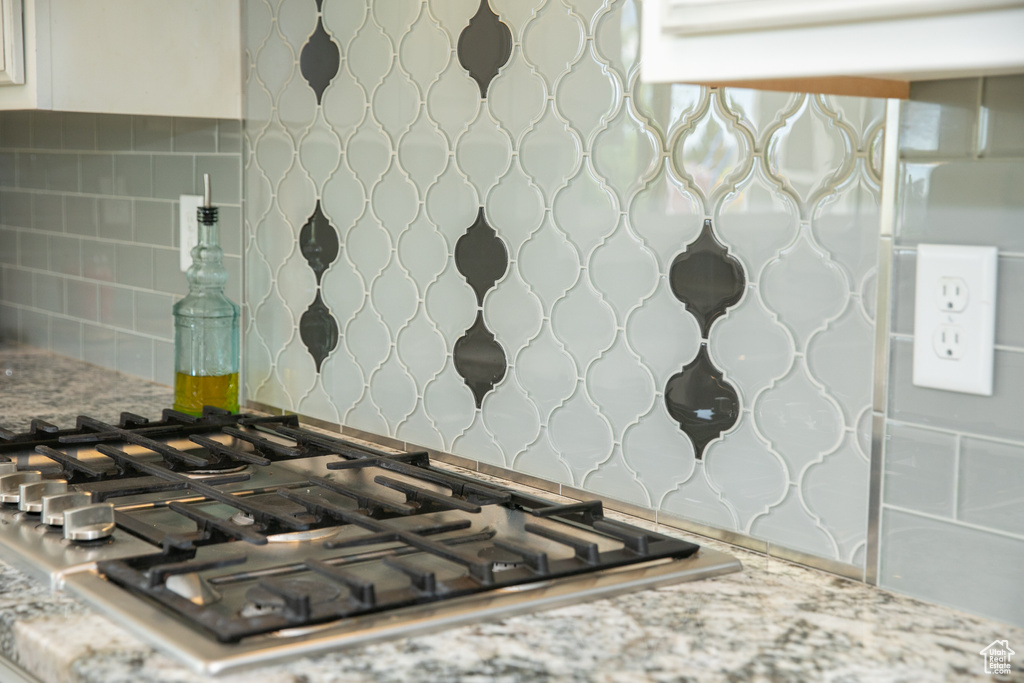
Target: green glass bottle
[{"x": 206, "y": 326}]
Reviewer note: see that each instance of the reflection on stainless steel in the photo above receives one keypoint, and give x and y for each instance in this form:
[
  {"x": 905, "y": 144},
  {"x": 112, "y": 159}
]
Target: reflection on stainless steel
[
  {"x": 31, "y": 494},
  {"x": 193, "y": 588},
  {"x": 10, "y": 485},
  {"x": 89, "y": 522},
  {"x": 54, "y": 506}
]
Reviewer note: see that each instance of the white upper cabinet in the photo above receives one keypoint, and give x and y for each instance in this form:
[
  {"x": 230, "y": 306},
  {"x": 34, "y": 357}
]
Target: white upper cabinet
[
  {"x": 159, "y": 57},
  {"x": 721, "y": 41}
]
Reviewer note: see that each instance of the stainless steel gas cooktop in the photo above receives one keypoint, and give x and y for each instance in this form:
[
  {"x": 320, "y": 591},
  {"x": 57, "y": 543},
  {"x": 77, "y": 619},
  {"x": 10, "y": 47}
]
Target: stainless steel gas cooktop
[{"x": 235, "y": 540}]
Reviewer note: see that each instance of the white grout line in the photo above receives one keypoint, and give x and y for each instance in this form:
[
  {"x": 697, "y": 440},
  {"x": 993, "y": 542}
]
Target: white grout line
[
  {"x": 955, "y": 522},
  {"x": 957, "y": 433}
]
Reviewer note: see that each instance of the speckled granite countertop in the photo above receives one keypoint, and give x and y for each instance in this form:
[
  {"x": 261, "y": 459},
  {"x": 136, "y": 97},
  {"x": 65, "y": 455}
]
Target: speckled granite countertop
[{"x": 774, "y": 621}]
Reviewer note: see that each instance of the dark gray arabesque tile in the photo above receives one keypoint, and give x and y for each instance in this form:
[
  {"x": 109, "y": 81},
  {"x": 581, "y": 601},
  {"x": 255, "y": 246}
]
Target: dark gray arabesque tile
[
  {"x": 484, "y": 46},
  {"x": 319, "y": 60},
  {"x": 997, "y": 415},
  {"x": 1009, "y": 314},
  {"x": 1002, "y": 117},
  {"x": 920, "y": 470},
  {"x": 962, "y": 202},
  {"x": 940, "y": 118},
  {"x": 952, "y": 565},
  {"x": 992, "y": 484}
]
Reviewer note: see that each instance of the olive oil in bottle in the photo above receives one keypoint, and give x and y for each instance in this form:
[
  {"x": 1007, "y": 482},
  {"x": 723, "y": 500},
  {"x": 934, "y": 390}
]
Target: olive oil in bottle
[{"x": 206, "y": 326}]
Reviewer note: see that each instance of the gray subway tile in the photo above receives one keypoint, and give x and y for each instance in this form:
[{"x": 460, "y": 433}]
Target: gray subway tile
[
  {"x": 225, "y": 177},
  {"x": 991, "y": 489},
  {"x": 80, "y": 216},
  {"x": 62, "y": 172},
  {"x": 66, "y": 337},
  {"x": 34, "y": 329},
  {"x": 17, "y": 286},
  {"x": 153, "y": 315},
  {"x": 34, "y": 250},
  {"x": 962, "y": 202},
  {"x": 942, "y": 562},
  {"x": 82, "y": 299},
  {"x": 133, "y": 175},
  {"x": 229, "y": 221},
  {"x": 114, "y": 132},
  {"x": 8, "y": 169},
  {"x": 135, "y": 265},
  {"x": 940, "y": 118},
  {"x": 163, "y": 362},
  {"x": 9, "y": 316},
  {"x": 114, "y": 217},
  {"x": 134, "y": 355},
  {"x": 1002, "y": 116},
  {"x": 66, "y": 254},
  {"x": 998, "y": 415},
  {"x": 79, "y": 131},
  {"x": 229, "y": 136},
  {"x": 195, "y": 135},
  {"x": 1009, "y": 316},
  {"x": 48, "y": 212},
  {"x": 48, "y": 292},
  {"x": 8, "y": 246},
  {"x": 920, "y": 470},
  {"x": 153, "y": 133},
  {"x": 98, "y": 261},
  {"x": 117, "y": 306},
  {"x": 17, "y": 129},
  {"x": 16, "y": 208},
  {"x": 153, "y": 222},
  {"x": 47, "y": 130},
  {"x": 167, "y": 275},
  {"x": 97, "y": 173},
  {"x": 233, "y": 289},
  {"x": 31, "y": 170},
  {"x": 98, "y": 346},
  {"x": 173, "y": 176}
]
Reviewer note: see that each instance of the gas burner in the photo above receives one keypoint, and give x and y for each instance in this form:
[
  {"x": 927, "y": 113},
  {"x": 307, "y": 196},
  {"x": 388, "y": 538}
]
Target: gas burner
[{"x": 266, "y": 540}]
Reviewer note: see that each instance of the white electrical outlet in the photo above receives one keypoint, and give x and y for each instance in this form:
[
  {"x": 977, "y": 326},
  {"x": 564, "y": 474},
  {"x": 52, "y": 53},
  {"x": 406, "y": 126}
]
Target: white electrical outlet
[
  {"x": 188, "y": 227},
  {"x": 955, "y": 317}
]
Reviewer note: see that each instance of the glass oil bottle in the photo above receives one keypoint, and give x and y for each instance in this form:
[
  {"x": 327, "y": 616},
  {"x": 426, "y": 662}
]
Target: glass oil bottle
[{"x": 206, "y": 326}]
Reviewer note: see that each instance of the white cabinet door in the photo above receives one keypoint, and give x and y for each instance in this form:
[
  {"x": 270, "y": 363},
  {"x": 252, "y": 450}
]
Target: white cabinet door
[
  {"x": 740, "y": 40},
  {"x": 12, "y": 56}
]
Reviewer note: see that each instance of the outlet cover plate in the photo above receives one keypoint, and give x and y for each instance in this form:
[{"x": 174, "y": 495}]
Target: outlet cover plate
[
  {"x": 975, "y": 323},
  {"x": 188, "y": 227}
]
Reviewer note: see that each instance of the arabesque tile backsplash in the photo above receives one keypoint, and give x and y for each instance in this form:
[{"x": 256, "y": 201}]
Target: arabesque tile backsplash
[{"x": 502, "y": 201}]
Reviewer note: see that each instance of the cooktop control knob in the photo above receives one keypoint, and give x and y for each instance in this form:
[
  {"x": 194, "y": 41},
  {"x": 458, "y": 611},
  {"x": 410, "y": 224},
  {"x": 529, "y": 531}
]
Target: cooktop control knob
[
  {"x": 55, "y": 505},
  {"x": 10, "y": 485},
  {"x": 31, "y": 494},
  {"x": 89, "y": 522}
]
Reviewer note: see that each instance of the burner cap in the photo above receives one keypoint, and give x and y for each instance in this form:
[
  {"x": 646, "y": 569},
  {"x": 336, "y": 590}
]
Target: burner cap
[{"x": 502, "y": 559}]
